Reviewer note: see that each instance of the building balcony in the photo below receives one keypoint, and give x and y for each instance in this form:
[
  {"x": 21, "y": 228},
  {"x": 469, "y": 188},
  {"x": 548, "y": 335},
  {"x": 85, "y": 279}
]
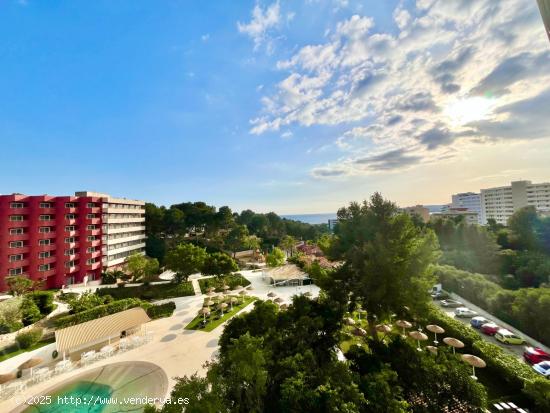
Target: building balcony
[
  {"x": 19, "y": 211},
  {"x": 18, "y": 237},
  {"x": 95, "y": 254},
  {"x": 69, "y": 245},
  {"x": 94, "y": 210},
  {"x": 49, "y": 273},
  {"x": 47, "y": 211},
  {"x": 72, "y": 270},
  {"x": 70, "y": 221},
  {"x": 47, "y": 235},
  {"x": 17, "y": 224},
  {"x": 19, "y": 250},
  {"x": 72, "y": 257},
  {"x": 94, "y": 266},
  {"x": 93, "y": 221},
  {"x": 74, "y": 233},
  {"x": 21, "y": 263},
  {"x": 70, "y": 210},
  {"x": 93, "y": 231},
  {"x": 48, "y": 260},
  {"x": 95, "y": 243},
  {"x": 50, "y": 247}
]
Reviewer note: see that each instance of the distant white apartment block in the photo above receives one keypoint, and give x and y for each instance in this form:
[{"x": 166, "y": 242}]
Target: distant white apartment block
[
  {"x": 501, "y": 202},
  {"x": 469, "y": 217},
  {"x": 123, "y": 228},
  {"x": 470, "y": 201}
]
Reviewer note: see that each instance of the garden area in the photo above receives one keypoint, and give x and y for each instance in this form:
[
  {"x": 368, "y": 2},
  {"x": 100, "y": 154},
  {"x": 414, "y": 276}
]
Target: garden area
[
  {"x": 218, "y": 283},
  {"x": 149, "y": 292},
  {"x": 209, "y": 320},
  {"x": 24, "y": 310}
]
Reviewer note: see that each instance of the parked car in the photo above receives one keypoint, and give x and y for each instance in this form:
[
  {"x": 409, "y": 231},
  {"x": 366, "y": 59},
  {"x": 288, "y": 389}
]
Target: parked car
[
  {"x": 490, "y": 329},
  {"x": 477, "y": 322},
  {"x": 464, "y": 312},
  {"x": 534, "y": 355},
  {"x": 451, "y": 303},
  {"x": 543, "y": 368},
  {"x": 440, "y": 295},
  {"x": 507, "y": 337}
]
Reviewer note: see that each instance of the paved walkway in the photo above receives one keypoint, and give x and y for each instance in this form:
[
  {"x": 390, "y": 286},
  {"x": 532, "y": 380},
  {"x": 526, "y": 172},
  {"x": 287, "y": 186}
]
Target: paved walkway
[{"x": 196, "y": 286}]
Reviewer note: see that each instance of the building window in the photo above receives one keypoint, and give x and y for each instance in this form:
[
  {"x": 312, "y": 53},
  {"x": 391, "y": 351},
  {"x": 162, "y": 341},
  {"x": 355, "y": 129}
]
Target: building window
[
  {"x": 70, "y": 264},
  {"x": 91, "y": 261},
  {"x": 44, "y": 254},
  {"x": 91, "y": 216},
  {"x": 91, "y": 205},
  {"x": 44, "y": 230},
  {"x": 17, "y": 205},
  {"x": 69, "y": 228},
  {"x": 45, "y": 218},
  {"x": 69, "y": 205},
  {"x": 92, "y": 238},
  {"x": 91, "y": 227},
  {"x": 69, "y": 240},
  {"x": 16, "y": 271},
  {"x": 16, "y": 244},
  {"x": 45, "y": 205},
  {"x": 91, "y": 250},
  {"x": 17, "y": 231},
  {"x": 16, "y": 257},
  {"x": 71, "y": 251},
  {"x": 44, "y": 242},
  {"x": 16, "y": 218},
  {"x": 44, "y": 267},
  {"x": 70, "y": 216}
]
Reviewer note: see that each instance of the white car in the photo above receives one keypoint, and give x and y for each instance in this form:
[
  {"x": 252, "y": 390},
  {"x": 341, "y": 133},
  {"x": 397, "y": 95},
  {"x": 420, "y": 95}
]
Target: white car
[{"x": 464, "y": 312}]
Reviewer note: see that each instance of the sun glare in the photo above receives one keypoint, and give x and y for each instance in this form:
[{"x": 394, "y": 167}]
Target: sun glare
[{"x": 468, "y": 110}]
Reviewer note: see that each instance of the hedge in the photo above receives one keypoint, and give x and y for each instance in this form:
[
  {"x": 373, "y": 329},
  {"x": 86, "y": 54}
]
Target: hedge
[
  {"x": 149, "y": 292},
  {"x": 100, "y": 311},
  {"x": 29, "y": 338},
  {"x": 161, "y": 310},
  {"x": 217, "y": 283},
  {"x": 43, "y": 300}
]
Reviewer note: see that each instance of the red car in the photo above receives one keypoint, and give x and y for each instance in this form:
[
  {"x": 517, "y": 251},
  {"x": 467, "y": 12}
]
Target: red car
[
  {"x": 490, "y": 329},
  {"x": 534, "y": 355}
]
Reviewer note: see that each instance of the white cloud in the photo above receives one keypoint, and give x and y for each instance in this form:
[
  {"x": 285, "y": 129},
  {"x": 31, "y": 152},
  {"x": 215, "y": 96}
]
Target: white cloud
[
  {"x": 205, "y": 37},
  {"x": 287, "y": 134},
  {"x": 263, "y": 20},
  {"x": 400, "y": 90}
]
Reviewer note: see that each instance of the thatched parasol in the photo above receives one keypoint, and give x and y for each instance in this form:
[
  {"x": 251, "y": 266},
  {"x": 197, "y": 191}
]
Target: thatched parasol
[
  {"x": 204, "y": 311},
  {"x": 222, "y": 306},
  {"x": 432, "y": 349},
  {"x": 403, "y": 324},
  {"x": 454, "y": 343},
  {"x": 383, "y": 328},
  {"x": 474, "y": 362},
  {"x": 359, "y": 332},
  {"x": 4, "y": 378},
  {"x": 210, "y": 289},
  {"x": 226, "y": 287},
  {"x": 278, "y": 300},
  {"x": 238, "y": 287},
  {"x": 208, "y": 303},
  {"x": 232, "y": 301},
  {"x": 436, "y": 330},
  {"x": 308, "y": 294},
  {"x": 283, "y": 306},
  {"x": 249, "y": 288},
  {"x": 211, "y": 293},
  {"x": 271, "y": 294},
  {"x": 349, "y": 321},
  {"x": 418, "y": 336}
]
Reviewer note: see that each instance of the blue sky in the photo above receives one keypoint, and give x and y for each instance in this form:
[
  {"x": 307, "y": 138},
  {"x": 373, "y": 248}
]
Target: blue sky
[{"x": 291, "y": 106}]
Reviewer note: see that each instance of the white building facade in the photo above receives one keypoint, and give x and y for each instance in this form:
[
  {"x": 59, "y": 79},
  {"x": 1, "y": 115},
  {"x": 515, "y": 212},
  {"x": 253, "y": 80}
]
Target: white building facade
[
  {"x": 469, "y": 200},
  {"x": 500, "y": 203}
]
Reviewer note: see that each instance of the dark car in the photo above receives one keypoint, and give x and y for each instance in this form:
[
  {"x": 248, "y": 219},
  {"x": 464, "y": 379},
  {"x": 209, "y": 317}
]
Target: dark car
[
  {"x": 440, "y": 295},
  {"x": 534, "y": 355},
  {"x": 451, "y": 303},
  {"x": 490, "y": 329},
  {"x": 477, "y": 322}
]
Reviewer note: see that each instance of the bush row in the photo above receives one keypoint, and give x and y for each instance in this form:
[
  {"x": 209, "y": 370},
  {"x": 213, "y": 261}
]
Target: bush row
[
  {"x": 29, "y": 338},
  {"x": 525, "y": 309},
  {"x": 100, "y": 311},
  {"x": 161, "y": 310},
  {"x": 218, "y": 283},
  {"x": 149, "y": 292}
]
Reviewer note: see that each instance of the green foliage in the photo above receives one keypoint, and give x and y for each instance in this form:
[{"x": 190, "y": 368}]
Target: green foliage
[
  {"x": 150, "y": 292},
  {"x": 44, "y": 301},
  {"x": 19, "y": 284},
  {"x": 100, "y": 311},
  {"x": 111, "y": 277},
  {"x": 10, "y": 315},
  {"x": 142, "y": 268},
  {"x": 539, "y": 391},
  {"x": 219, "y": 264},
  {"x": 161, "y": 310},
  {"x": 29, "y": 338},
  {"x": 86, "y": 301},
  {"x": 30, "y": 313},
  {"x": 237, "y": 238},
  {"x": 185, "y": 259},
  {"x": 275, "y": 258},
  {"x": 217, "y": 283},
  {"x": 288, "y": 244}
]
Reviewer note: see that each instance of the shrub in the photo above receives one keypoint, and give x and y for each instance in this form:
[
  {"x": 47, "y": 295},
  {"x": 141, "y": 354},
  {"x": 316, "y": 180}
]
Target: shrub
[
  {"x": 44, "y": 301},
  {"x": 100, "y": 311},
  {"x": 29, "y": 338},
  {"x": 217, "y": 283},
  {"x": 29, "y": 311},
  {"x": 108, "y": 277},
  {"x": 65, "y": 297},
  {"x": 149, "y": 292},
  {"x": 161, "y": 310}
]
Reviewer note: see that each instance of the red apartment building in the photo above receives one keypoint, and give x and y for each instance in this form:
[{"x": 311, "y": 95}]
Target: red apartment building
[{"x": 64, "y": 239}]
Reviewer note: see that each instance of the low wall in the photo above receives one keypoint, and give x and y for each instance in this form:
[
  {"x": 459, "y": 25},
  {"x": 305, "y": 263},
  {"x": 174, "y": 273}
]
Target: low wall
[{"x": 45, "y": 353}]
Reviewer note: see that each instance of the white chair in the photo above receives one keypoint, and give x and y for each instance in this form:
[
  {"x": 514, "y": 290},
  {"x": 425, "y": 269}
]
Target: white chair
[{"x": 123, "y": 344}]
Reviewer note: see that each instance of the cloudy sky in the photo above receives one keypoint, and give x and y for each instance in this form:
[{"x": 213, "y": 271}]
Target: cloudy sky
[{"x": 291, "y": 106}]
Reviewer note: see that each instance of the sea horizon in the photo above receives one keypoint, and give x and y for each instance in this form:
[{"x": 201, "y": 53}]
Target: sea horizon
[{"x": 321, "y": 218}]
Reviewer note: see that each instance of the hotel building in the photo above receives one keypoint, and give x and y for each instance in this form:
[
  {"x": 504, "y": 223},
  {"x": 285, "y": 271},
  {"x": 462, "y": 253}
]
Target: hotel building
[
  {"x": 468, "y": 200},
  {"x": 501, "y": 202},
  {"x": 67, "y": 239}
]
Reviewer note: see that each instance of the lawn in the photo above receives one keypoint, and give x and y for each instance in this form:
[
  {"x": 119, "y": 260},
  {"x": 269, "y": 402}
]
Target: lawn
[
  {"x": 150, "y": 292},
  {"x": 218, "y": 283},
  {"x": 14, "y": 350},
  {"x": 213, "y": 322}
]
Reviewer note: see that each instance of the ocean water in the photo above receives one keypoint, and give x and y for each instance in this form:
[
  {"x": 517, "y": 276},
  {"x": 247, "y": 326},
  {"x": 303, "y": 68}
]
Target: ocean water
[{"x": 312, "y": 218}]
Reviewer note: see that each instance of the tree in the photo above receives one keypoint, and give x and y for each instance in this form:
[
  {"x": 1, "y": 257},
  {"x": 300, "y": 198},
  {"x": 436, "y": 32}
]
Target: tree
[
  {"x": 387, "y": 259},
  {"x": 287, "y": 244},
  {"x": 236, "y": 239},
  {"x": 523, "y": 223},
  {"x": 275, "y": 258},
  {"x": 29, "y": 311},
  {"x": 142, "y": 268},
  {"x": 19, "y": 284},
  {"x": 184, "y": 260},
  {"x": 219, "y": 264}
]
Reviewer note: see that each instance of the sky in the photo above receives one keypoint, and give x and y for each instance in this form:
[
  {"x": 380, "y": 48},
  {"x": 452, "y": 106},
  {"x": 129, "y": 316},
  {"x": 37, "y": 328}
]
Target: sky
[{"x": 285, "y": 106}]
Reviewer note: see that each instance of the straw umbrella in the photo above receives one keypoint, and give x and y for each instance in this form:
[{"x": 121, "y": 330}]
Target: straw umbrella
[
  {"x": 209, "y": 303},
  {"x": 383, "y": 328},
  {"x": 249, "y": 288},
  {"x": 4, "y": 378},
  {"x": 242, "y": 294},
  {"x": 308, "y": 294},
  {"x": 474, "y": 362},
  {"x": 418, "y": 336},
  {"x": 30, "y": 363},
  {"x": 278, "y": 300},
  {"x": 211, "y": 293},
  {"x": 404, "y": 325},
  {"x": 436, "y": 330},
  {"x": 233, "y": 300},
  {"x": 432, "y": 349},
  {"x": 283, "y": 306},
  {"x": 225, "y": 287},
  {"x": 238, "y": 287},
  {"x": 204, "y": 311},
  {"x": 222, "y": 306},
  {"x": 210, "y": 289},
  {"x": 454, "y": 343},
  {"x": 271, "y": 294},
  {"x": 349, "y": 321},
  {"x": 359, "y": 332}
]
